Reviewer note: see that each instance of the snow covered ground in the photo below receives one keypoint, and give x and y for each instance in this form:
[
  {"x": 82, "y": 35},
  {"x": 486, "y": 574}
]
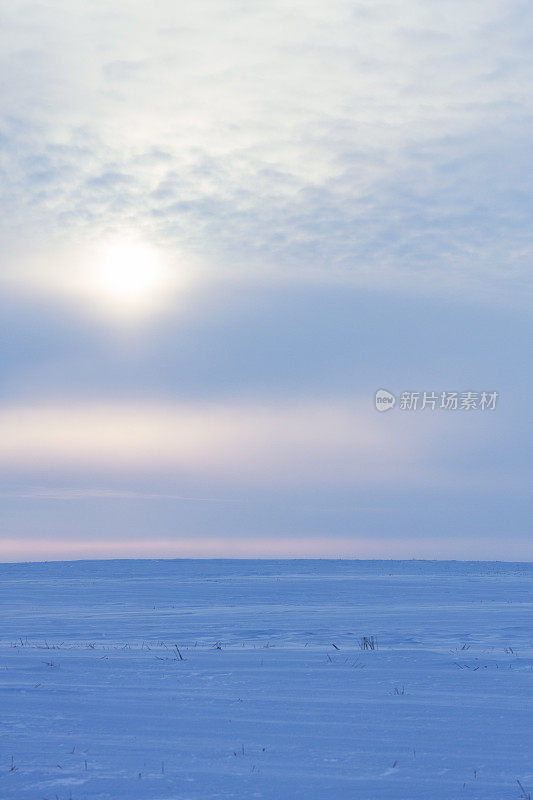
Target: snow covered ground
[{"x": 177, "y": 680}]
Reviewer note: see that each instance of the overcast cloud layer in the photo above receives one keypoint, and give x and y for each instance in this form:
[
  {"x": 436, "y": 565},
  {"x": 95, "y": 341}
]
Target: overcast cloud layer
[
  {"x": 376, "y": 143},
  {"x": 340, "y": 194}
]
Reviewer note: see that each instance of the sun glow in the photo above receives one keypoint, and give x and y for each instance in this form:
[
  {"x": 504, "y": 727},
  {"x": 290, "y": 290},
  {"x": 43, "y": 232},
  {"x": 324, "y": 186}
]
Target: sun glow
[{"x": 130, "y": 275}]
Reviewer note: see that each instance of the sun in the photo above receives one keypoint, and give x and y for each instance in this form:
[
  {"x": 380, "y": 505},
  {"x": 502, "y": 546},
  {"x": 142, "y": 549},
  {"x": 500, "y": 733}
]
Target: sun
[{"x": 130, "y": 275}]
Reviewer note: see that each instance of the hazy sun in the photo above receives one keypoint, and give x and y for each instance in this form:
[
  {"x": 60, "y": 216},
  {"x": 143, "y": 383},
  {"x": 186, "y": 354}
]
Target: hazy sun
[{"x": 130, "y": 275}]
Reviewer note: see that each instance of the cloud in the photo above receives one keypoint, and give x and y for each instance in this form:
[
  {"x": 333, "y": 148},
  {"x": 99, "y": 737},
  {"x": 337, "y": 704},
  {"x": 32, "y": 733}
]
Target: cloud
[
  {"x": 376, "y": 144},
  {"x": 289, "y": 443}
]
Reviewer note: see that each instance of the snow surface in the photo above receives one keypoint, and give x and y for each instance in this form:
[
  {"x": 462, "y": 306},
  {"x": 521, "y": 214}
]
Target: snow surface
[{"x": 96, "y": 702}]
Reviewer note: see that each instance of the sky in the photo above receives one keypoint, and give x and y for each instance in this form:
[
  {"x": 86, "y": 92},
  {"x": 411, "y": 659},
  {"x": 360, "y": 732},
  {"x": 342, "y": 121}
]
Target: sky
[{"x": 223, "y": 228}]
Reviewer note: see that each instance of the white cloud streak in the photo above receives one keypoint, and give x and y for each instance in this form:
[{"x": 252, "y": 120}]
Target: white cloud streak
[
  {"x": 291, "y": 444},
  {"x": 295, "y": 443}
]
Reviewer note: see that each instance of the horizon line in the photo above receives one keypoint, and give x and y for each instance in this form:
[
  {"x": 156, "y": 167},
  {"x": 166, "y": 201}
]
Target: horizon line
[{"x": 269, "y": 558}]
